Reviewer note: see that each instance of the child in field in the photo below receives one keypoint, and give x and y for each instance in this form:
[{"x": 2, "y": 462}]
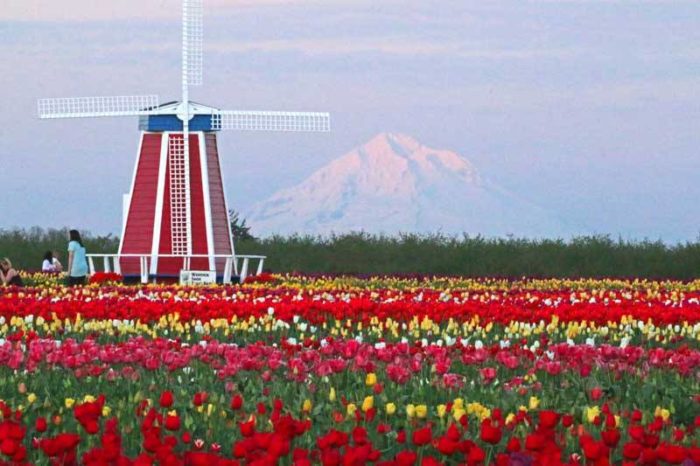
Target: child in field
[{"x": 8, "y": 275}]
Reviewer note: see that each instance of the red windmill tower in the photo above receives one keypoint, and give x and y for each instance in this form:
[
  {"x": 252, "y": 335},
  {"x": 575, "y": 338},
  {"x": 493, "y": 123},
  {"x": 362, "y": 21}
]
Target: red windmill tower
[{"x": 176, "y": 216}]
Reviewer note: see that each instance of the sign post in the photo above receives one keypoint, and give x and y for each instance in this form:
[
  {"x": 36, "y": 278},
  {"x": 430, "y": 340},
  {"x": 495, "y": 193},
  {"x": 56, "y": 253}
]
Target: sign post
[{"x": 197, "y": 277}]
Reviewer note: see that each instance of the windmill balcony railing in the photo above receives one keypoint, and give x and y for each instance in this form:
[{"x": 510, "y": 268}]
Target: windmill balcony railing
[{"x": 233, "y": 263}]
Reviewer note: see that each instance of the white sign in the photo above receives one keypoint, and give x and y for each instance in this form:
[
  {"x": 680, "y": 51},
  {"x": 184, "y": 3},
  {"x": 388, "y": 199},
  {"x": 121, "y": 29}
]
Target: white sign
[{"x": 197, "y": 277}]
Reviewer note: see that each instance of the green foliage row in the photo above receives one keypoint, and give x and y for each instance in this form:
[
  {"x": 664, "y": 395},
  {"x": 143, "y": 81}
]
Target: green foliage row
[{"x": 594, "y": 256}]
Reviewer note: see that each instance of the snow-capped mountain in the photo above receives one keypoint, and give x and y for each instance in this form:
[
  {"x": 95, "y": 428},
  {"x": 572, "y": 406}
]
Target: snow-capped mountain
[{"x": 395, "y": 184}]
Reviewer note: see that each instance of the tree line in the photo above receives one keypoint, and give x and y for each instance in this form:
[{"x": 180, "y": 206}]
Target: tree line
[{"x": 362, "y": 253}]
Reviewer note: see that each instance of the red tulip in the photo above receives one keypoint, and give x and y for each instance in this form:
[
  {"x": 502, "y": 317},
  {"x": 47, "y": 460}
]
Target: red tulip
[
  {"x": 567, "y": 420},
  {"x": 401, "y": 436},
  {"x": 513, "y": 445},
  {"x": 247, "y": 428},
  {"x": 166, "y": 399},
  {"x": 422, "y": 436},
  {"x": 172, "y": 422},
  {"x": 476, "y": 455},
  {"x": 535, "y": 442},
  {"x": 631, "y": 451},
  {"x": 406, "y": 458},
  {"x": 41, "y": 424},
  {"x": 610, "y": 437},
  {"x": 236, "y": 402},
  {"x": 548, "y": 419},
  {"x": 489, "y": 433},
  {"x": 199, "y": 398}
]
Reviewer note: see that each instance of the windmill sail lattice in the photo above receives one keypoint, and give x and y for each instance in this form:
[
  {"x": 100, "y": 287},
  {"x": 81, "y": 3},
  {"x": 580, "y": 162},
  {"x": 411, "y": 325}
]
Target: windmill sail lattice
[
  {"x": 271, "y": 121},
  {"x": 177, "y": 205},
  {"x": 193, "y": 41},
  {"x": 77, "y": 107}
]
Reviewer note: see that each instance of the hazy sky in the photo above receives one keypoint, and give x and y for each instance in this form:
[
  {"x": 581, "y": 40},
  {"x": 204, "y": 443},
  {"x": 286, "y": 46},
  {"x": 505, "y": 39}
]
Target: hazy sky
[{"x": 590, "y": 108}]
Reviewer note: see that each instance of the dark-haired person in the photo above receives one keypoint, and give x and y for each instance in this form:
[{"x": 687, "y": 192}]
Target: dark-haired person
[
  {"x": 77, "y": 260},
  {"x": 48, "y": 264},
  {"x": 8, "y": 275}
]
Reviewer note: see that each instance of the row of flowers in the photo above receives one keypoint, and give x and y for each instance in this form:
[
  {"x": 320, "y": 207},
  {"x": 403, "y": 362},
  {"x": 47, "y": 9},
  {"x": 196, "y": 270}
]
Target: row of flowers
[
  {"x": 151, "y": 304},
  {"x": 283, "y": 286},
  {"x": 448, "y": 367},
  {"x": 414, "y": 281},
  {"x": 270, "y": 327}
]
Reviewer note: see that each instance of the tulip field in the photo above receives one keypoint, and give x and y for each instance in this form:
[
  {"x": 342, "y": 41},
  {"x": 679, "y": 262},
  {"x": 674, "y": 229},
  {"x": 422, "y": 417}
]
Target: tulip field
[{"x": 301, "y": 370}]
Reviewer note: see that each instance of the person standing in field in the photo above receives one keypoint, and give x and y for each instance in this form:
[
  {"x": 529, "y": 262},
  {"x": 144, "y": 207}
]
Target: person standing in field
[{"x": 77, "y": 260}]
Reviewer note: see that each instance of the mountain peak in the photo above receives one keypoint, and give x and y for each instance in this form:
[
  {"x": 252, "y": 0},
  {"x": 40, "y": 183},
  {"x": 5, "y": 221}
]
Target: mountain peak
[
  {"x": 385, "y": 146},
  {"x": 397, "y": 151},
  {"x": 397, "y": 140},
  {"x": 393, "y": 183}
]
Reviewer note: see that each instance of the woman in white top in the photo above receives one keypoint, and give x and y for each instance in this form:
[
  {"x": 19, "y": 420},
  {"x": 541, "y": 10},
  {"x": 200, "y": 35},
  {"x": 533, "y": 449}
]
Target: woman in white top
[{"x": 48, "y": 265}]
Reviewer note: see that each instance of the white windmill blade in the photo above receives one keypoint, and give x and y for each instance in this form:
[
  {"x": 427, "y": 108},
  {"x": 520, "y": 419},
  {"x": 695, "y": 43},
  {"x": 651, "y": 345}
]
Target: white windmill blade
[
  {"x": 192, "y": 42},
  {"x": 271, "y": 121},
  {"x": 79, "y": 107}
]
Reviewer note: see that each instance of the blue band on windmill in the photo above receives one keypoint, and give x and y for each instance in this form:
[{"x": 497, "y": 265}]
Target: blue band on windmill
[{"x": 171, "y": 122}]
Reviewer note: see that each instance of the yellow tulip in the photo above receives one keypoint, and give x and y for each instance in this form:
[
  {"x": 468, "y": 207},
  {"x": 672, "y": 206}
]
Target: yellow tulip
[
  {"x": 367, "y": 404},
  {"x": 662, "y": 413},
  {"x": 484, "y": 413},
  {"x": 106, "y": 410},
  {"x": 592, "y": 412},
  {"x": 410, "y": 411},
  {"x": 534, "y": 402},
  {"x": 331, "y": 395},
  {"x": 351, "y": 408},
  {"x": 371, "y": 379},
  {"x": 441, "y": 411},
  {"x": 31, "y": 398},
  {"x": 306, "y": 407},
  {"x": 69, "y": 402},
  {"x": 421, "y": 411},
  {"x": 390, "y": 408}
]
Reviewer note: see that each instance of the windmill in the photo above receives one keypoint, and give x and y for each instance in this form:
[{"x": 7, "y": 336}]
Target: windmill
[{"x": 177, "y": 206}]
